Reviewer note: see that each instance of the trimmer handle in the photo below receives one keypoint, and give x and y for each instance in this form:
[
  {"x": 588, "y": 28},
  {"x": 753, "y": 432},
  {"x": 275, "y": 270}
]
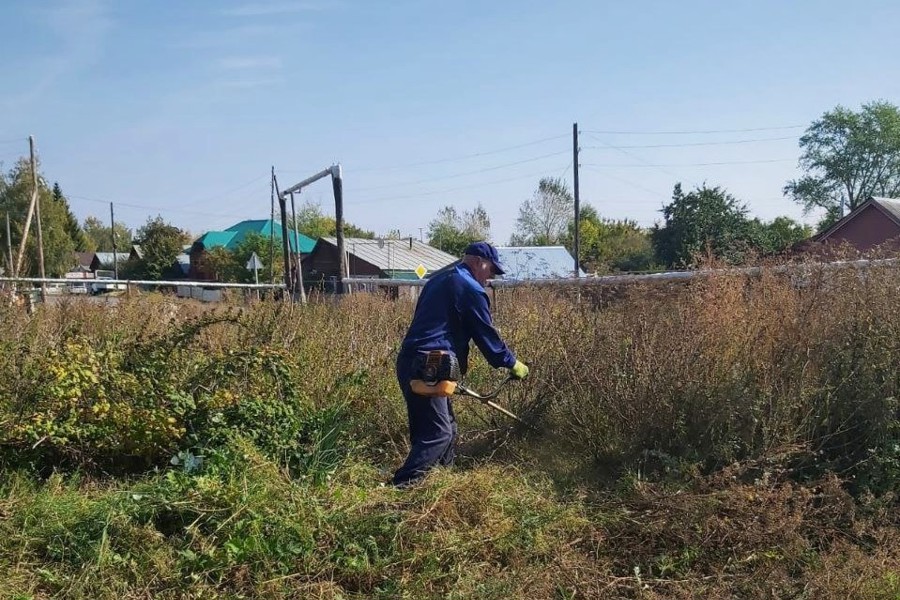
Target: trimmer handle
[{"x": 465, "y": 391}]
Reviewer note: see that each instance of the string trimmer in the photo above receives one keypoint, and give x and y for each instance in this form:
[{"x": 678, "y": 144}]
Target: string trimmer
[
  {"x": 462, "y": 390},
  {"x": 438, "y": 375}
]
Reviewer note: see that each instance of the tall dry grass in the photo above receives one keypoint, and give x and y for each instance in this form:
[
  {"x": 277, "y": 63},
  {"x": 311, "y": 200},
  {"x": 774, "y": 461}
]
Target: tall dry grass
[
  {"x": 727, "y": 437},
  {"x": 717, "y": 370}
]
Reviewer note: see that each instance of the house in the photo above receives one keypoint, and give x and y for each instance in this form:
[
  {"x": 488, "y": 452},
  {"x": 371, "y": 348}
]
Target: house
[
  {"x": 524, "y": 263},
  {"x": 873, "y": 223},
  {"x": 183, "y": 260},
  {"x": 92, "y": 261},
  {"x": 232, "y": 237},
  {"x": 108, "y": 259},
  {"x": 377, "y": 259},
  {"x": 86, "y": 262}
]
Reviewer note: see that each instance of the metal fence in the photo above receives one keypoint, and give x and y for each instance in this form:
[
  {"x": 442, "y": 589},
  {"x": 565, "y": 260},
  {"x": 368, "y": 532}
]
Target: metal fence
[
  {"x": 368, "y": 284},
  {"x": 35, "y": 288},
  {"x": 210, "y": 291}
]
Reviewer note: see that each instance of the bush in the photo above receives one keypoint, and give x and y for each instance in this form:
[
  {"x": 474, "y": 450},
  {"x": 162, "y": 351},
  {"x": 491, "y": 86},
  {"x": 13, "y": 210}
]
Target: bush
[
  {"x": 719, "y": 370},
  {"x": 725, "y": 437}
]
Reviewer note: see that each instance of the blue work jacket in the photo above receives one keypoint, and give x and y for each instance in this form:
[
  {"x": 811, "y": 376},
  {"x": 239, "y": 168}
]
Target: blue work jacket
[{"x": 452, "y": 310}]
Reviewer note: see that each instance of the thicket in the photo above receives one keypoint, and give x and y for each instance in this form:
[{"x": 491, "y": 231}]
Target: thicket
[{"x": 728, "y": 437}]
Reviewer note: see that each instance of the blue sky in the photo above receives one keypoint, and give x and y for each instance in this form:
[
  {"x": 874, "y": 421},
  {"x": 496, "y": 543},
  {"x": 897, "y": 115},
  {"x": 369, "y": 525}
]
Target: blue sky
[{"x": 180, "y": 108}]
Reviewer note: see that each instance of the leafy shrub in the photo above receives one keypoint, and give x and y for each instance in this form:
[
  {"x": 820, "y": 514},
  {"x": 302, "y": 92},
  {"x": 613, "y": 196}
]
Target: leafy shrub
[{"x": 720, "y": 369}]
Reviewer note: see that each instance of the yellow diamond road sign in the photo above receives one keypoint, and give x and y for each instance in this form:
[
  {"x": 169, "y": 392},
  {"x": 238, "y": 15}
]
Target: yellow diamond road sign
[{"x": 421, "y": 270}]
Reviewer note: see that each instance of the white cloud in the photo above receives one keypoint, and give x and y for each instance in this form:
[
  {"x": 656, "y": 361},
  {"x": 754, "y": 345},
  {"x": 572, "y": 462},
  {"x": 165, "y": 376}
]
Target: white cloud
[
  {"x": 262, "y": 9},
  {"x": 248, "y": 84},
  {"x": 230, "y": 36},
  {"x": 80, "y": 28},
  {"x": 239, "y": 63}
]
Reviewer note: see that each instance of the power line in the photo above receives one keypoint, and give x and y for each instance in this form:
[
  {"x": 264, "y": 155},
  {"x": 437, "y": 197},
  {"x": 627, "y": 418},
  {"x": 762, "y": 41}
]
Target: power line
[
  {"x": 638, "y": 158},
  {"x": 20, "y": 140},
  {"x": 694, "y": 132},
  {"x": 462, "y": 157},
  {"x": 685, "y": 145},
  {"x": 155, "y": 208},
  {"x": 229, "y": 191},
  {"x": 706, "y": 164},
  {"x": 455, "y": 189},
  {"x": 627, "y": 181},
  {"x": 191, "y": 203},
  {"x": 464, "y": 174}
]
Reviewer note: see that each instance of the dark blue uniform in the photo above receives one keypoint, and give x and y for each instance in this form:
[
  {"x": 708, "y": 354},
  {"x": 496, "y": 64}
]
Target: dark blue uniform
[{"x": 453, "y": 309}]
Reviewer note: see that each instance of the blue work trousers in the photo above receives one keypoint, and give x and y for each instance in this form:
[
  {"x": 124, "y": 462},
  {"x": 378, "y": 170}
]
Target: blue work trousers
[{"x": 432, "y": 428}]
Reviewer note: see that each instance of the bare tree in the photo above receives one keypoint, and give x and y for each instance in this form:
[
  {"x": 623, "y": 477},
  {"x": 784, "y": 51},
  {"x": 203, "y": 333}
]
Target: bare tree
[
  {"x": 452, "y": 232},
  {"x": 543, "y": 219}
]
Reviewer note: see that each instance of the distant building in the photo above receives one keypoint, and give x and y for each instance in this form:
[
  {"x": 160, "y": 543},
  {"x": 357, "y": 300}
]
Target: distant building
[
  {"x": 183, "y": 260},
  {"x": 86, "y": 262},
  {"x": 108, "y": 259},
  {"x": 232, "y": 237},
  {"x": 525, "y": 263},
  {"x": 94, "y": 261},
  {"x": 377, "y": 259},
  {"x": 875, "y": 222}
]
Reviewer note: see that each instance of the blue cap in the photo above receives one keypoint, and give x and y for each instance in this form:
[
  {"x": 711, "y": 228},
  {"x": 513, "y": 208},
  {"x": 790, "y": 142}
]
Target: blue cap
[{"x": 485, "y": 250}]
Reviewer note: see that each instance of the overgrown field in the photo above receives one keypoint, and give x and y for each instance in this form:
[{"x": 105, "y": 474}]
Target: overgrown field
[{"x": 730, "y": 437}]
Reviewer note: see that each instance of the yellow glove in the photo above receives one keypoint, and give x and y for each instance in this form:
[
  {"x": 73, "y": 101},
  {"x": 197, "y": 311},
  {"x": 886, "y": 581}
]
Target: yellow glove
[{"x": 519, "y": 370}]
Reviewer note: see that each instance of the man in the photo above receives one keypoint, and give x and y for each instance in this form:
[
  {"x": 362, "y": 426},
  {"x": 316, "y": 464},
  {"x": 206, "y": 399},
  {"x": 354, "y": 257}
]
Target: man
[{"x": 453, "y": 309}]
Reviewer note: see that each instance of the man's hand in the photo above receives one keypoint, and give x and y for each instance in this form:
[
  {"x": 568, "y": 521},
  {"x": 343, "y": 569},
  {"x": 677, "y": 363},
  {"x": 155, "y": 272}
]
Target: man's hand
[{"x": 519, "y": 370}]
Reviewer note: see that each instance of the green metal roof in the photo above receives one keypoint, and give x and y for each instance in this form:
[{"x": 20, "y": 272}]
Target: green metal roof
[
  {"x": 234, "y": 235},
  {"x": 215, "y": 239},
  {"x": 262, "y": 227}
]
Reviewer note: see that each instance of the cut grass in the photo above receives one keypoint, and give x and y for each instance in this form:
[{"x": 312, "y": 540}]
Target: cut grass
[
  {"x": 734, "y": 439},
  {"x": 248, "y": 529}
]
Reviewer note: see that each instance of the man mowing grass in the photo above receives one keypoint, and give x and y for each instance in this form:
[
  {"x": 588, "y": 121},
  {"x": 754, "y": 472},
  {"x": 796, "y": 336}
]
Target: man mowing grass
[{"x": 453, "y": 309}]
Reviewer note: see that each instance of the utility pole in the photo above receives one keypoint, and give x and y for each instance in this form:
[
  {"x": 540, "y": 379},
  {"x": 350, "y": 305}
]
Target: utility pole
[
  {"x": 28, "y": 217},
  {"x": 282, "y": 204},
  {"x": 9, "y": 247},
  {"x": 337, "y": 183},
  {"x": 299, "y": 273},
  {"x": 272, "y": 232},
  {"x": 577, "y": 204},
  {"x": 37, "y": 209},
  {"x": 112, "y": 233}
]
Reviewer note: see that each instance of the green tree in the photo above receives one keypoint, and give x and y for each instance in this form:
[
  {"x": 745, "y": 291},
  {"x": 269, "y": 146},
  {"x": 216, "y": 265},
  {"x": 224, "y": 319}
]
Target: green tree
[
  {"x": 73, "y": 229},
  {"x": 160, "y": 243},
  {"x": 15, "y": 198},
  {"x": 98, "y": 237},
  {"x": 544, "y": 218},
  {"x": 609, "y": 245},
  {"x": 231, "y": 265},
  {"x": 258, "y": 243},
  {"x": 222, "y": 264},
  {"x": 778, "y": 235},
  {"x": 848, "y": 156},
  {"x": 312, "y": 222},
  {"x": 451, "y": 231},
  {"x": 706, "y": 220}
]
